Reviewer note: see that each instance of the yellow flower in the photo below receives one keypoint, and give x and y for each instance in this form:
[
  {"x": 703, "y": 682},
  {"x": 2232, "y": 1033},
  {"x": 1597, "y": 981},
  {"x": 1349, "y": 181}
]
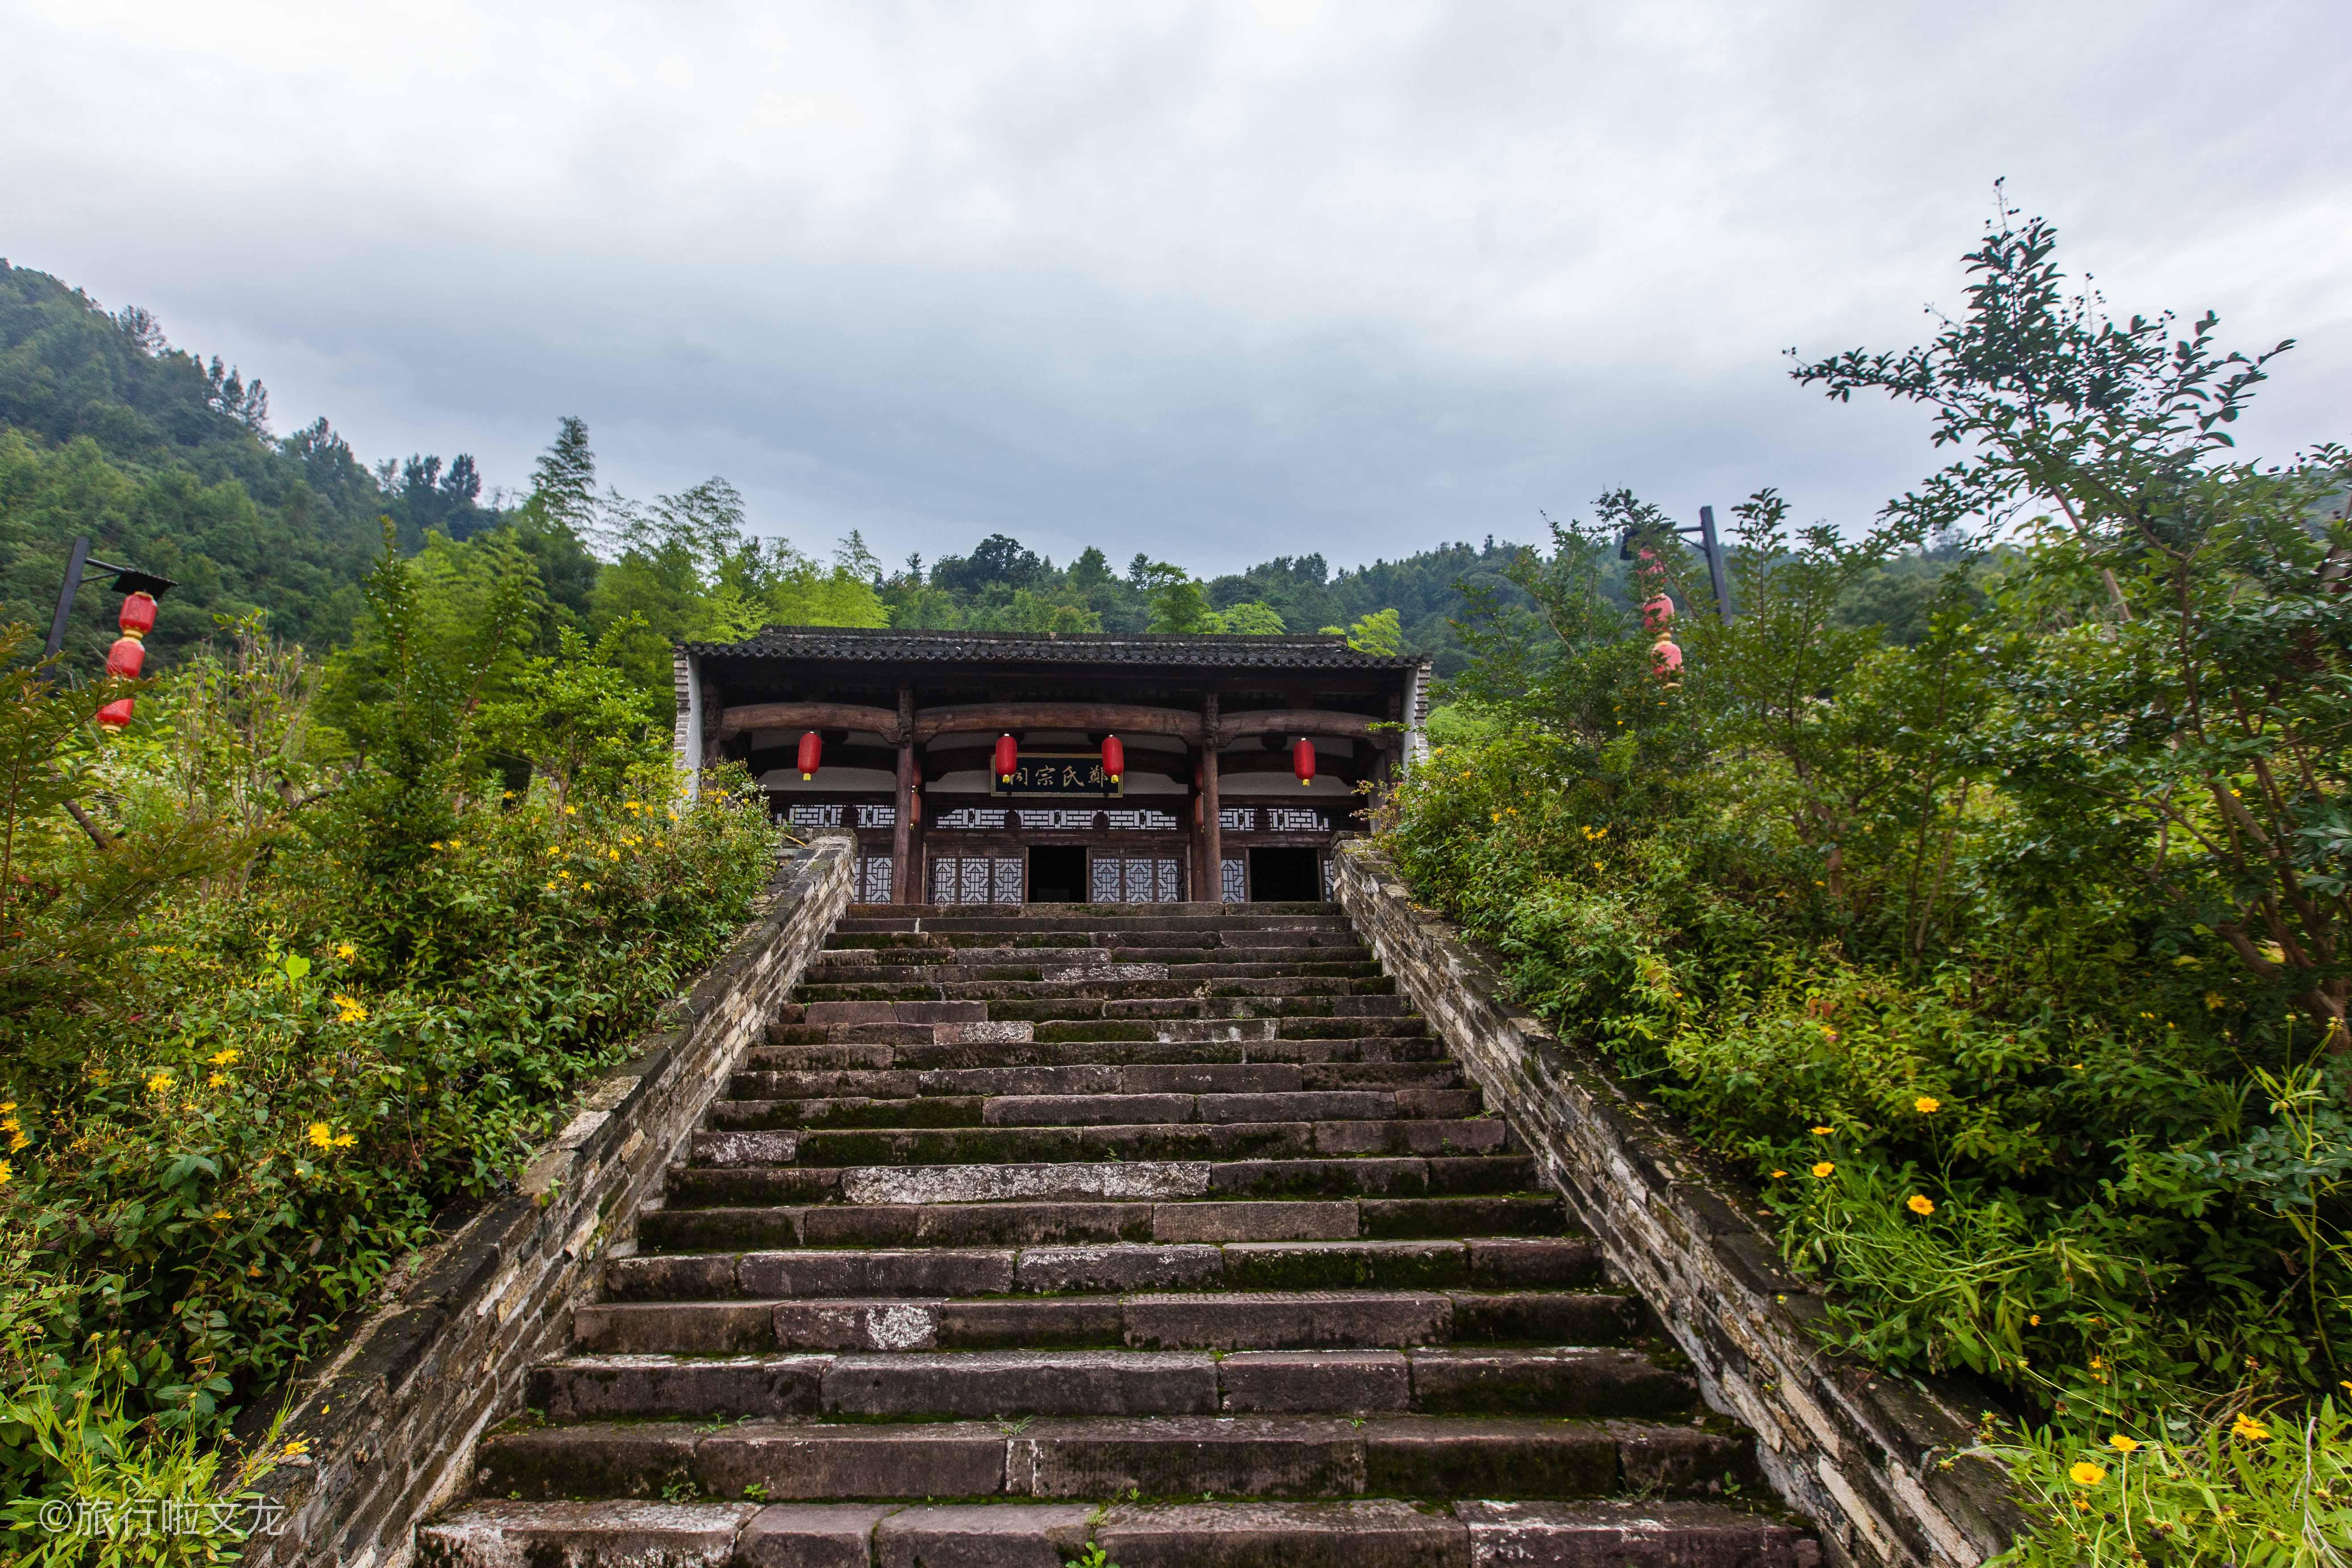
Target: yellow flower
[
  {"x": 571, "y": 811},
  {"x": 295, "y": 1449},
  {"x": 220, "y": 1214},
  {"x": 224, "y": 1058},
  {"x": 1778, "y": 1174},
  {"x": 2122, "y": 1444},
  {"x": 345, "y": 1139},
  {"x": 2216, "y": 1001},
  {"x": 160, "y": 1083},
  {"x": 2248, "y": 1429},
  {"x": 322, "y": 1135},
  {"x": 7, "y": 1173},
  {"x": 2035, "y": 1321},
  {"x": 436, "y": 844},
  {"x": 351, "y": 1010},
  {"x": 1822, "y": 1172},
  {"x": 1926, "y": 1105},
  {"x": 630, "y": 805},
  {"x": 2087, "y": 1474},
  {"x": 1920, "y": 1204},
  {"x": 344, "y": 951},
  {"x": 614, "y": 854},
  {"x": 1824, "y": 1131},
  {"x": 216, "y": 1080},
  {"x": 16, "y": 1140}
]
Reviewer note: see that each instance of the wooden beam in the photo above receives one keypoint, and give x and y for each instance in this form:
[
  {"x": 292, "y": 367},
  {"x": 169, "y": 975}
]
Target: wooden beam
[
  {"x": 1213, "y": 840},
  {"x": 902, "y": 829},
  {"x": 1001, "y": 717},
  {"x": 808, "y": 716},
  {"x": 1295, "y": 721}
]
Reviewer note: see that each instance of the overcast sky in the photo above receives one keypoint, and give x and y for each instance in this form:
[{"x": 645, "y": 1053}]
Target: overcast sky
[{"x": 1216, "y": 281}]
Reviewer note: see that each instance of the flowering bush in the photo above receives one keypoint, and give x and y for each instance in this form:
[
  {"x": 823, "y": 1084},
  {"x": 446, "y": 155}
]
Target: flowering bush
[
  {"x": 2010, "y": 960},
  {"x": 293, "y": 1000}
]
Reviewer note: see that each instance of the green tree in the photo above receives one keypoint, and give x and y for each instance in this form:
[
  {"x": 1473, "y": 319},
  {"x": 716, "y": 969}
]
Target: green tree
[{"x": 1251, "y": 619}]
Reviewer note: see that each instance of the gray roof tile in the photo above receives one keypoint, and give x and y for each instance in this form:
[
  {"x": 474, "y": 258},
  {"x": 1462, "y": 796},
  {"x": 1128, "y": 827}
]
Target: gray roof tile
[{"x": 851, "y": 644}]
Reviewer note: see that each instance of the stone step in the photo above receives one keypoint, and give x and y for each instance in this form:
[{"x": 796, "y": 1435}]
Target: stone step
[
  {"x": 1302, "y": 937},
  {"x": 1488, "y": 1263},
  {"x": 746, "y": 1179},
  {"x": 1064, "y": 919},
  {"x": 1062, "y": 1222},
  {"x": 1071, "y": 966},
  {"x": 1182, "y": 1319},
  {"x": 1365, "y": 1534},
  {"x": 1105, "y": 983},
  {"x": 1176, "y": 949},
  {"x": 1100, "y": 1077},
  {"x": 1103, "y": 1456},
  {"x": 915, "y": 1051},
  {"x": 1068, "y": 1108},
  {"x": 1053, "y": 1145},
  {"x": 1519, "y": 1263},
  {"x": 1321, "y": 1013},
  {"x": 946, "y": 1384}
]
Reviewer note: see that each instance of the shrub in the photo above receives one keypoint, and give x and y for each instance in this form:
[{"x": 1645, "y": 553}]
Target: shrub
[
  {"x": 298, "y": 998},
  {"x": 2009, "y": 959}
]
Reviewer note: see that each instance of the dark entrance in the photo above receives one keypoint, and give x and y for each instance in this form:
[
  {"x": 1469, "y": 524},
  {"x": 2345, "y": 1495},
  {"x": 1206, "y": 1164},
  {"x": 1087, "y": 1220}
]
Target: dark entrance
[
  {"x": 1283, "y": 877},
  {"x": 1057, "y": 874}
]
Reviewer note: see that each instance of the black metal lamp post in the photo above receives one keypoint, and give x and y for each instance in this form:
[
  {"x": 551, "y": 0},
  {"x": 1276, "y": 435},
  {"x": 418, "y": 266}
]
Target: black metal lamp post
[
  {"x": 128, "y": 653},
  {"x": 1629, "y": 544}
]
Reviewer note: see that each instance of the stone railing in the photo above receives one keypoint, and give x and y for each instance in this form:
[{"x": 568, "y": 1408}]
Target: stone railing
[
  {"x": 1868, "y": 1456},
  {"x": 392, "y": 1418}
]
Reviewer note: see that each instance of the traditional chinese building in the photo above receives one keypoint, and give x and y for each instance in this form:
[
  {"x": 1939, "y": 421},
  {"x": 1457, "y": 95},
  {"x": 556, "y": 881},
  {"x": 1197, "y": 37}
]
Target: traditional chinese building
[{"x": 971, "y": 765}]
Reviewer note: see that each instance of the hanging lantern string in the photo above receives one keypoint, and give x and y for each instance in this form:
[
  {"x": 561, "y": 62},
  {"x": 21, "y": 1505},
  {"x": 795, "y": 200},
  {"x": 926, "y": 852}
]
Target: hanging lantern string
[{"x": 128, "y": 657}]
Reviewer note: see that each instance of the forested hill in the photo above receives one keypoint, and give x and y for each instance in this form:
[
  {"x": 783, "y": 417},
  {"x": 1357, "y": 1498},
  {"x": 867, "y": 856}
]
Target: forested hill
[{"x": 169, "y": 461}]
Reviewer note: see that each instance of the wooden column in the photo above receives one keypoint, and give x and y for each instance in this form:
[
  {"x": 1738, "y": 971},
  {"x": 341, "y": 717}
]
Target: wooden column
[
  {"x": 1213, "y": 844},
  {"x": 904, "y": 879}
]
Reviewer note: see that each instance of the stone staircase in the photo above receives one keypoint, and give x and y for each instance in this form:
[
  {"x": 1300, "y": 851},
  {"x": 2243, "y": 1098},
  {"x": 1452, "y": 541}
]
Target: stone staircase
[{"x": 1162, "y": 1233}]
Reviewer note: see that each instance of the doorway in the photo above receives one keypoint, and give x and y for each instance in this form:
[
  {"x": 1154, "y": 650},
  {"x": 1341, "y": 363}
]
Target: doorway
[
  {"x": 1057, "y": 874},
  {"x": 1285, "y": 877}
]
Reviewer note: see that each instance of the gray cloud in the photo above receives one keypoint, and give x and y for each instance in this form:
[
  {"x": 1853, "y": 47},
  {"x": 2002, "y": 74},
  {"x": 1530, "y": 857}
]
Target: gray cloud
[{"x": 1216, "y": 281}]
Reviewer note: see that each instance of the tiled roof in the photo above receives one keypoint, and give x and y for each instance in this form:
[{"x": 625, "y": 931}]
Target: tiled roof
[{"x": 839, "y": 642}]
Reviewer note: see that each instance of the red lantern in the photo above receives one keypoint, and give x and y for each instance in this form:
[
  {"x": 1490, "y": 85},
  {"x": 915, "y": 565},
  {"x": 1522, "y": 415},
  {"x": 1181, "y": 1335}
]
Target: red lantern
[
  {"x": 1657, "y": 613},
  {"x": 129, "y": 655},
  {"x": 1008, "y": 758},
  {"x": 812, "y": 753},
  {"x": 1302, "y": 761},
  {"x": 915, "y": 807},
  {"x": 1114, "y": 757}
]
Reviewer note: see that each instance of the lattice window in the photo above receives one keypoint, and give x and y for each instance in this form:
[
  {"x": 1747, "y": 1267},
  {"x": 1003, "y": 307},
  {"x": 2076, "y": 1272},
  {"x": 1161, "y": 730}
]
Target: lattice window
[
  {"x": 972, "y": 888},
  {"x": 878, "y": 816},
  {"x": 1171, "y": 888},
  {"x": 1103, "y": 887},
  {"x": 1139, "y": 881},
  {"x": 1291, "y": 819},
  {"x": 972, "y": 816},
  {"x": 1328, "y": 883},
  {"x": 815, "y": 815},
  {"x": 1236, "y": 818},
  {"x": 1009, "y": 878},
  {"x": 943, "y": 882},
  {"x": 872, "y": 882},
  {"x": 1234, "y": 880}
]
